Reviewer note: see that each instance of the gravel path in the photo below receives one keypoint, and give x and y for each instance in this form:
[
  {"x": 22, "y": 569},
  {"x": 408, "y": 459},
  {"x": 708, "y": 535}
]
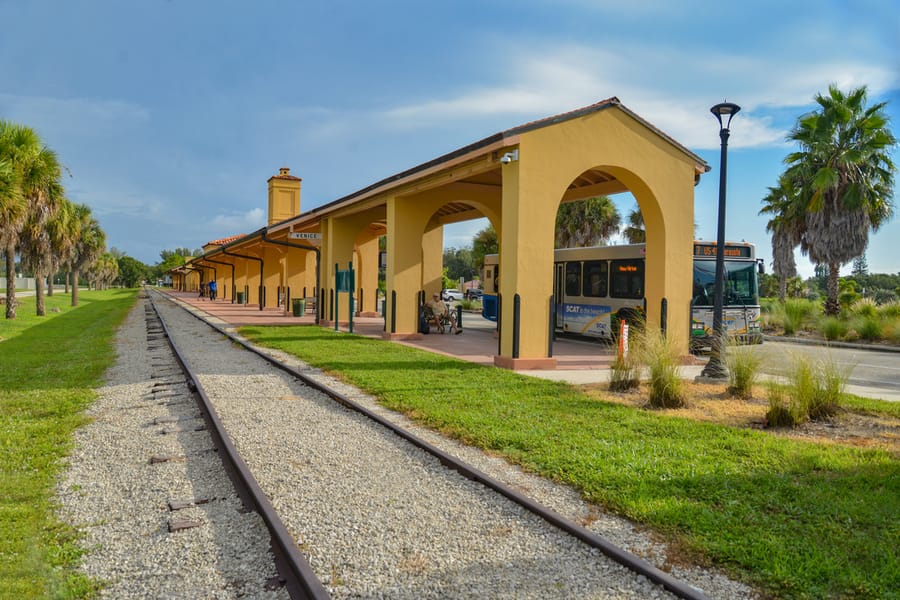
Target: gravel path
[
  {"x": 376, "y": 517},
  {"x": 120, "y": 500}
]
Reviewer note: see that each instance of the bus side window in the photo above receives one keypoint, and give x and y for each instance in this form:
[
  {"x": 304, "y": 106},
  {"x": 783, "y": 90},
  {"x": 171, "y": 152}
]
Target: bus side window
[
  {"x": 627, "y": 279},
  {"x": 573, "y": 279},
  {"x": 595, "y": 278}
]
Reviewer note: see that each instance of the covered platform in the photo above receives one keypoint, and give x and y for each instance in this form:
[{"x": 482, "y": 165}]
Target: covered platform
[
  {"x": 577, "y": 361},
  {"x": 517, "y": 178}
]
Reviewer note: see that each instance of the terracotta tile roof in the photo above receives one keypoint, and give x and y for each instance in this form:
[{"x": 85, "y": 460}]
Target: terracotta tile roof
[{"x": 226, "y": 240}]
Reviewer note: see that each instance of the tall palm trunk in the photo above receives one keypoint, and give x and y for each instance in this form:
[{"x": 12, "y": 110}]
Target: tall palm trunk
[
  {"x": 74, "y": 287},
  {"x": 68, "y": 275},
  {"x": 782, "y": 287},
  {"x": 50, "y": 279},
  {"x": 10, "y": 280},
  {"x": 832, "y": 305},
  {"x": 40, "y": 307}
]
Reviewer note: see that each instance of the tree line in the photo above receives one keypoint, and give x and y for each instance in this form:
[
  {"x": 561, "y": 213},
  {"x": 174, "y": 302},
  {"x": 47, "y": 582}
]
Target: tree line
[{"x": 38, "y": 223}]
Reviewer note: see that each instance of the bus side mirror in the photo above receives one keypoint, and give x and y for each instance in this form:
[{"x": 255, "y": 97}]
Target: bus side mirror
[{"x": 761, "y": 266}]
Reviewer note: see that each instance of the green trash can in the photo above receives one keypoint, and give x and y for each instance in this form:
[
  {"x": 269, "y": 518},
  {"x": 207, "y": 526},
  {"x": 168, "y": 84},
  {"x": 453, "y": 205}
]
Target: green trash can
[
  {"x": 299, "y": 307},
  {"x": 240, "y": 297}
]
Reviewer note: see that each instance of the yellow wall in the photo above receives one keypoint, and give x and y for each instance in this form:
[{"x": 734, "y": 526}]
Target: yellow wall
[
  {"x": 549, "y": 160},
  {"x": 659, "y": 174},
  {"x": 284, "y": 196}
]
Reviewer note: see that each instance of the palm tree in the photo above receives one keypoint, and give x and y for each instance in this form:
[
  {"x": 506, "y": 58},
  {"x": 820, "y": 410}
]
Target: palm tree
[
  {"x": 61, "y": 228},
  {"x": 34, "y": 240},
  {"x": 20, "y": 147},
  {"x": 784, "y": 225},
  {"x": 89, "y": 244},
  {"x": 484, "y": 242},
  {"x": 586, "y": 222},
  {"x": 844, "y": 179},
  {"x": 103, "y": 271},
  {"x": 635, "y": 232},
  {"x": 12, "y": 205}
]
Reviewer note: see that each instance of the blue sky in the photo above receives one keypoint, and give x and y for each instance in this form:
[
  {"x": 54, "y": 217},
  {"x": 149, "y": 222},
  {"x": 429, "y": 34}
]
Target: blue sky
[{"x": 171, "y": 114}]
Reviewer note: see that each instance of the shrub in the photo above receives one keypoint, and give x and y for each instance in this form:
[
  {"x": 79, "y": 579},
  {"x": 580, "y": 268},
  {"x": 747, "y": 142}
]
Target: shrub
[
  {"x": 869, "y": 328},
  {"x": 864, "y": 307},
  {"x": 802, "y": 386},
  {"x": 848, "y": 297},
  {"x": 797, "y": 312},
  {"x": 780, "y": 413},
  {"x": 624, "y": 374},
  {"x": 892, "y": 331},
  {"x": 468, "y": 304},
  {"x": 814, "y": 391},
  {"x": 662, "y": 360},
  {"x": 831, "y": 381},
  {"x": 891, "y": 310},
  {"x": 771, "y": 314},
  {"x": 743, "y": 370},
  {"x": 833, "y": 328},
  {"x": 884, "y": 296}
]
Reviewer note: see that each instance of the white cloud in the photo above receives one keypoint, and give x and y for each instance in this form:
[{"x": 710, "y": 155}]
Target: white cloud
[
  {"x": 248, "y": 221},
  {"x": 672, "y": 89}
]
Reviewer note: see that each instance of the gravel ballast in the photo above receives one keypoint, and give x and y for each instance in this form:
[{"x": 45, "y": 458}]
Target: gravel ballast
[{"x": 375, "y": 516}]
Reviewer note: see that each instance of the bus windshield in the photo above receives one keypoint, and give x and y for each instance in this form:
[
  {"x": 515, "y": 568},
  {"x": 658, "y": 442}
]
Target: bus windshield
[{"x": 740, "y": 283}]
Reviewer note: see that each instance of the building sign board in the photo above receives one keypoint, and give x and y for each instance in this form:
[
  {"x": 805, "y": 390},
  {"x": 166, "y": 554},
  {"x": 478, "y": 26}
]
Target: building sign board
[{"x": 298, "y": 235}]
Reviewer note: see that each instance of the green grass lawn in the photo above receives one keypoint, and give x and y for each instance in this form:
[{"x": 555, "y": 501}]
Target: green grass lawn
[
  {"x": 799, "y": 520},
  {"x": 48, "y": 369}
]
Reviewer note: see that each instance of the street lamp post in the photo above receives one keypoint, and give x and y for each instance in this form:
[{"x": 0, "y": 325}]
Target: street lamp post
[{"x": 716, "y": 368}]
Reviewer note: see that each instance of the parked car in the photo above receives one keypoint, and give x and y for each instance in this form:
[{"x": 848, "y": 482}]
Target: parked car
[
  {"x": 449, "y": 295},
  {"x": 474, "y": 294}
]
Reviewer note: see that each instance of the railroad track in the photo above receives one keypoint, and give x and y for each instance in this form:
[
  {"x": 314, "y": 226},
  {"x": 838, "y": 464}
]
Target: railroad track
[{"x": 357, "y": 506}]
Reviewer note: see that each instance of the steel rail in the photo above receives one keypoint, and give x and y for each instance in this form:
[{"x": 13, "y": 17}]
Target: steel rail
[
  {"x": 619, "y": 555},
  {"x": 299, "y": 579}
]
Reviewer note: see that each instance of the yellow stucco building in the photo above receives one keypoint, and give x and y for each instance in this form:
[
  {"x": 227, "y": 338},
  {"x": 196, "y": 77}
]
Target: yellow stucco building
[{"x": 517, "y": 179}]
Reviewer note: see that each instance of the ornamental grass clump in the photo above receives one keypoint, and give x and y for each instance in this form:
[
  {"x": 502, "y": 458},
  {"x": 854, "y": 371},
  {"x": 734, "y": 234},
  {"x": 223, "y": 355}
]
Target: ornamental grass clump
[
  {"x": 814, "y": 391},
  {"x": 831, "y": 381},
  {"x": 889, "y": 311},
  {"x": 833, "y": 328},
  {"x": 864, "y": 307},
  {"x": 625, "y": 373},
  {"x": 743, "y": 370},
  {"x": 869, "y": 328},
  {"x": 661, "y": 359},
  {"x": 797, "y": 313},
  {"x": 781, "y": 413}
]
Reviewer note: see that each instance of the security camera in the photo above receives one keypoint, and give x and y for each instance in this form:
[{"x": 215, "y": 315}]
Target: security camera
[{"x": 509, "y": 157}]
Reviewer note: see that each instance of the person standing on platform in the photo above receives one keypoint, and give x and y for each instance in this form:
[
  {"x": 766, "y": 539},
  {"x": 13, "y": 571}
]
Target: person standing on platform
[{"x": 212, "y": 289}]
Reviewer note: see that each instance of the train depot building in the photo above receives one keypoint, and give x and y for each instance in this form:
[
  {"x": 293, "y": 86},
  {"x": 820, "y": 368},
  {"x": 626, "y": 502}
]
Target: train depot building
[{"x": 516, "y": 179}]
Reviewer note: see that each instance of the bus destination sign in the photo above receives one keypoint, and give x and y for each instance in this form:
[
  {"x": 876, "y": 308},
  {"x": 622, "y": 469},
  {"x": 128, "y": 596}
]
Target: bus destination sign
[{"x": 730, "y": 251}]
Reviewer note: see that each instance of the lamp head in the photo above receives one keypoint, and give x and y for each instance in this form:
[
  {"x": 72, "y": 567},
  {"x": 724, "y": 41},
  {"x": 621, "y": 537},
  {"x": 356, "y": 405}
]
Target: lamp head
[{"x": 725, "y": 109}]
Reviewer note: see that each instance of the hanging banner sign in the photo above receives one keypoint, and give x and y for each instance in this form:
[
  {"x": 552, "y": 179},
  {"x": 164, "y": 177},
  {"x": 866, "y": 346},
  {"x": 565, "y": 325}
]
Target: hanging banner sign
[{"x": 296, "y": 235}]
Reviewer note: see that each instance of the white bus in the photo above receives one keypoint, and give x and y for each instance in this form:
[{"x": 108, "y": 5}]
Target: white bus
[{"x": 595, "y": 287}]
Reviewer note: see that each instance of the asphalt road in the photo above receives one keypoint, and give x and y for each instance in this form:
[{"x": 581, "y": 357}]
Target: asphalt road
[{"x": 867, "y": 368}]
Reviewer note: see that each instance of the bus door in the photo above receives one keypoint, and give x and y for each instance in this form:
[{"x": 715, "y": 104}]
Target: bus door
[{"x": 559, "y": 287}]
